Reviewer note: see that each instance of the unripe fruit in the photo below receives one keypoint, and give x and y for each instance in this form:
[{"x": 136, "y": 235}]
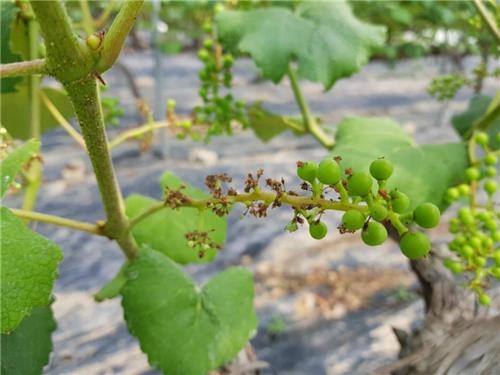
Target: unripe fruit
[
  {"x": 415, "y": 245},
  {"x": 472, "y": 174},
  {"x": 329, "y": 171},
  {"x": 318, "y": 230},
  {"x": 203, "y": 55},
  {"x": 374, "y": 234},
  {"x": 427, "y": 215},
  {"x": 481, "y": 138},
  {"x": 490, "y": 159},
  {"x": 454, "y": 266},
  {"x": 381, "y": 169},
  {"x": 378, "y": 211},
  {"x": 484, "y": 299},
  {"x": 353, "y": 220},
  {"x": 452, "y": 194},
  {"x": 464, "y": 189},
  {"x": 399, "y": 202},
  {"x": 490, "y": 186},
  {"x": 360, "y": 184},
  {"x": 306, "y": 170}
]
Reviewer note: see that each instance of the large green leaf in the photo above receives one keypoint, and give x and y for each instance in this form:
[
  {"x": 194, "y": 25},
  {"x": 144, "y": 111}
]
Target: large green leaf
[
  {"x": 26, "y": 350},
  {"x": 422, "y": 172},
  {"x": 478, "y": 107},
  {"x": 183, "y": 329},
  {"x": 165, "y": 230},
  {"x": 29, "y": 267},
  {"x": 8, "y": 13},
  {"x": 324, "y": 37},
  {"x": 15, "y": 114},
  {"x": 13, "y": 163}
]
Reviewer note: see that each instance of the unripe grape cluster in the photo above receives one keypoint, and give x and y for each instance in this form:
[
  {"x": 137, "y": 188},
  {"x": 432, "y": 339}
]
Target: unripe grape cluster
[
  {"x": 369, "y": 207},
  {"x": 476, "y": 226},
  {"x": 219, "y": 109}
]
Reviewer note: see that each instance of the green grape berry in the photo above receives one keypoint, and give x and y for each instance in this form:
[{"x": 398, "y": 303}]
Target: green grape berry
[
  {"x": 329, "y": 171},
  {"x": 353, "y": 220},
  {"x": 399, "y": 202},
  {"x": 228, "y": 60},
  {"x": 490, "y": 171},
  {"x": 415, "y": 245},
  {"x": 484, "y": 299},
  {"x": 203, "y": 55},
  {"x": 454, "y": 266},
  {"x": 374, "y": 234},
  {"x": 359, "y": 184},
  {"x": 490, "y": 159},
  {"x": 306, "y": 170},
  {"x": 381, "y": 169},
  {"x": 452, "y": 194},
  {"x": 208, "y": 43},
  {"x": 171, "y": 103},
  {"x": 490, "y": 186},
  {"x": 482, "y": 138},
  {"x": 318, "y": 230},
  {"x": 464, "y": 189},
  {"x": 378, "y": 211},
  {"x": 472, "y": 174},
  {"x": 427, "y": 215}
]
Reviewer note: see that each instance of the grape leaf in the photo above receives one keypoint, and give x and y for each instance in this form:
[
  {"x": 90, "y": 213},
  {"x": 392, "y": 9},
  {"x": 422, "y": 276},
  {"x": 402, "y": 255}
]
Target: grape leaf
[
  {"x": 325, "y": 38},
  {"x": 165, "y": 230},
  {"x": 422, "y": 172},
  {"x": 16, "y": 117},
  {"x": 8, "y": 13},
  {"x": 29, "y": 268},
  {"x": 26, "y": 350},
  {"x": 182, "y": 329},
  {"x": 12, "y": 164},
  {"x": 267, "y": 125},
  {"x": 478, "y": 106}
]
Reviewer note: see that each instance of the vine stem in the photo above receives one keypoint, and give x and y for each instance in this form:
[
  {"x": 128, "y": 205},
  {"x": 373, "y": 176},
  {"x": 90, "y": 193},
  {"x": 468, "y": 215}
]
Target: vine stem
[
  {"x": 74, "y": 65},
  {"x": 132, "y": 133},
  {"x": 310, "y": 122},
  {"x": 490, "y": 22},
  {"x": 295, "y": 201},
  {"x": 23, "y": 68},
  {"x": 59, "y": 221}
]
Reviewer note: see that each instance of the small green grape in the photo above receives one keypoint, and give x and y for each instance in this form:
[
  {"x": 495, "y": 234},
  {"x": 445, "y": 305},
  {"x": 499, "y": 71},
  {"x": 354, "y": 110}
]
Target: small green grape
[
  {"x": 454, "y": 266},
  {"x": 490, "y": 159},
  {"x": 415, "y": 245},
  {"x": 353, "y": 220},
  {"x": 399, "y": 202},
  {"x": 452, "y": 194},
  {"x": 171, "y": 103},
  {"x": 479, "y": 261},
  {"x": 496, "y": 257},
  {"x": 208, "y": 43},
  {"x": 93, "y": 41},
  {"x": 381, "y": 169},
  {"x": 329, "y": 171},
  {"x": 203, "y": 55},
  {"x": 378, "y": 211},
  {"x": 482, "y": 138},
  {"x": 228, "y": 60},
  {"x": 360, "y": 184},
  {"x": 464, "y": 189},
  {"x": 465, "y": 216},
  {"x": 490, "y": 171},
  {"x": 427, "y": 215},
  {"x": 472, "y": 174},
  {"x": 484, "y": 299},
  {"x": 490, "y": 186},
  {"x": 306, "y": 170},
  {"x": 318, "y": 230},
  {"x": 374, "y": 234}
]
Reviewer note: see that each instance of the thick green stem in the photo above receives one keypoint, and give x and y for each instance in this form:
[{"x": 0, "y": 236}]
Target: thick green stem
[
  {"x": 84, "y": 95},
  {"x": 59, "y": 221},
  {"x": 71, "y": 62},
  {"x": 310, "y": 122},
  {"x": 117, "y": 33},
  {"x": 23, "y": 68}
]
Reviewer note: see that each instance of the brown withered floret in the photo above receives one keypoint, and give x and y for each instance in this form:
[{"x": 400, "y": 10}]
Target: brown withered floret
[{"x": 175, "y": 198}]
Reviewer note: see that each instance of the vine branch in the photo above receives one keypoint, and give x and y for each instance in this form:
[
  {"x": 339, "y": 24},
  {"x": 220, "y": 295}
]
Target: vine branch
[
  {"x": 59, "y": 221},
  {"x": 490, "y": 22},
  {"x": 23, "y": 68}
]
